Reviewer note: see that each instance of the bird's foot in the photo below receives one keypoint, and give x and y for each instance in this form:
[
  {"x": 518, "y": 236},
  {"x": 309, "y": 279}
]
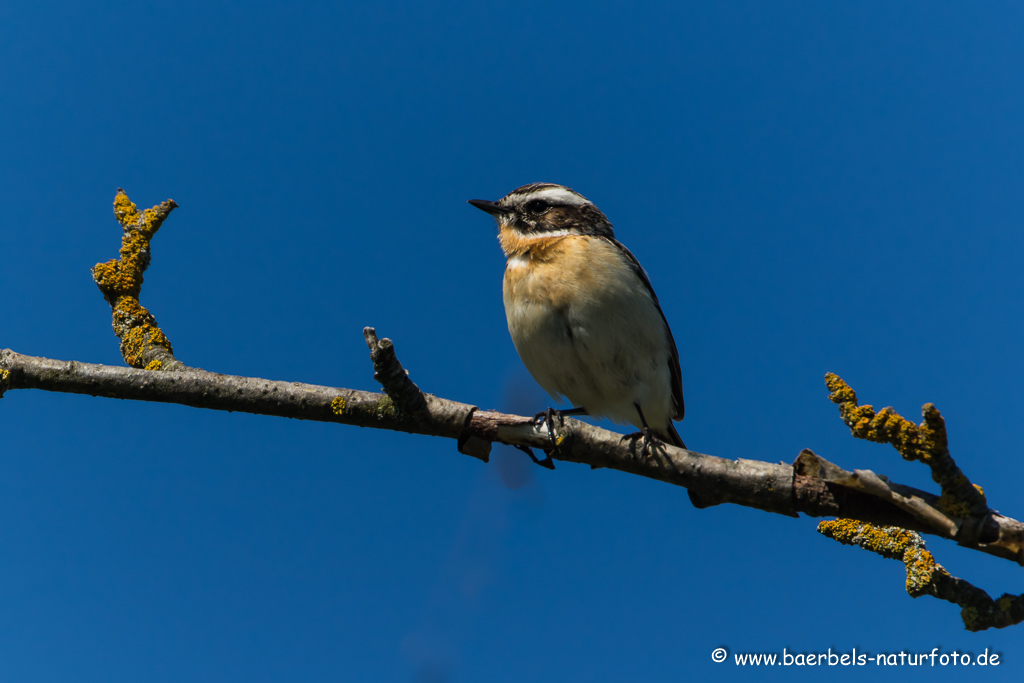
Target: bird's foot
[
  {"x": 547, "y": 418},
  {"x": 646, "y": 439},
  {"x": 546, "y": 462}
]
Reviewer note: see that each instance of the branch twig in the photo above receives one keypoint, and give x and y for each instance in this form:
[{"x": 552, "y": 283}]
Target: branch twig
[
  {"x": 143, "y": 343},
  {"x": 925, "y": 576}
]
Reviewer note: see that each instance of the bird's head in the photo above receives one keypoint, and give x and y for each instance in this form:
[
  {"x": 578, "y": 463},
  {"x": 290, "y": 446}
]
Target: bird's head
[{"x": 543, "y": 211}]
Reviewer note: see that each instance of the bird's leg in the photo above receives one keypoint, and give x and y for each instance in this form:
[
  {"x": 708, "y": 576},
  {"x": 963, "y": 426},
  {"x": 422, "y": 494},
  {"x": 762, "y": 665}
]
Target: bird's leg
[
  {"x": 644, "y": 434},
  {"x": 546, "y": 462},
  {"x": 546, "y": 417}
]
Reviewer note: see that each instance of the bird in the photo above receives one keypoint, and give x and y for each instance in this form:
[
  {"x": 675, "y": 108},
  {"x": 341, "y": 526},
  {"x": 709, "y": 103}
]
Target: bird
[{"x": 583, "y": 315}]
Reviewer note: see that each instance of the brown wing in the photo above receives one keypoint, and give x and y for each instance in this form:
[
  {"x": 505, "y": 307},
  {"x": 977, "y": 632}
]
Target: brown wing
[{"x": 673, "y": 362}]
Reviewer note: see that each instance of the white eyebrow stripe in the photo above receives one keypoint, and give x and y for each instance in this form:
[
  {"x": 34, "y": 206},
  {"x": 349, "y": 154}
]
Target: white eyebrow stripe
[{"x": 557, "y": 195}]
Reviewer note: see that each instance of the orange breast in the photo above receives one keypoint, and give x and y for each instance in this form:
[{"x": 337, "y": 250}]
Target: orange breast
[{"x": 561, "y": 270}]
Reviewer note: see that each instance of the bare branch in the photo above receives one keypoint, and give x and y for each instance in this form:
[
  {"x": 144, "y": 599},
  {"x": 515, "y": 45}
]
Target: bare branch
[
  {"x": 389, "y": 372},
  {"x": 812, "y": 485},
  {"x": 201, "y": 389}
]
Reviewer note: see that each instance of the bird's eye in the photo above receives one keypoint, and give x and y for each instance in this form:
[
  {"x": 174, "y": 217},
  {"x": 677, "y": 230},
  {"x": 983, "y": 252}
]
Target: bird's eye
[{"x": 537, "y": 206}]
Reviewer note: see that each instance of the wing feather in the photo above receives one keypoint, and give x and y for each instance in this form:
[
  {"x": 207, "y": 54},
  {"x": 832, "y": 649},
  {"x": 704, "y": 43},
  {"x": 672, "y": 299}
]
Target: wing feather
[{"x": 673, "y": 362}]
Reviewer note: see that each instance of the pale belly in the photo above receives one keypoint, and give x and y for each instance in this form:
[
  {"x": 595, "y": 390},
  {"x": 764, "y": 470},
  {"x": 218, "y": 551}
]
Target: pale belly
[{"x": 598, "y": 341}]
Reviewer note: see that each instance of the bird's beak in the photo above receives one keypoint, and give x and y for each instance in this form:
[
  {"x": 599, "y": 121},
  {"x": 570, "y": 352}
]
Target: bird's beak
[{"x": 493, "y": 208}]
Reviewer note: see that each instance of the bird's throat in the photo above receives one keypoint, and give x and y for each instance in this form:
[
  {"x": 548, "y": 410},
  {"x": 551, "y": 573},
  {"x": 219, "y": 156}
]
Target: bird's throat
[{"x": 516, "y": 243}]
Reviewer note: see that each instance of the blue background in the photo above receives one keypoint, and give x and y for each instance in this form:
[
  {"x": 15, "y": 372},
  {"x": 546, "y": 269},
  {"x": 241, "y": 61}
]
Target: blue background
[{"x": 812, "y": 187}]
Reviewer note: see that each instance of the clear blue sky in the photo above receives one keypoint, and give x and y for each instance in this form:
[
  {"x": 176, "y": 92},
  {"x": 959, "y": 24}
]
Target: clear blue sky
[{"x": 812, "y": 187}]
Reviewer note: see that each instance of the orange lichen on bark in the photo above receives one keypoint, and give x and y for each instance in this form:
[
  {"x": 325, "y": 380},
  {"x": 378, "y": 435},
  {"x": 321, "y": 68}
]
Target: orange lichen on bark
[
  {"x": 891, "y": 542},
  {"x": 885, "y": 426},
  {"x": 925, "y": 576},
  {"x": 143, "y": 344},
  {"x": 926, "y": 442}
]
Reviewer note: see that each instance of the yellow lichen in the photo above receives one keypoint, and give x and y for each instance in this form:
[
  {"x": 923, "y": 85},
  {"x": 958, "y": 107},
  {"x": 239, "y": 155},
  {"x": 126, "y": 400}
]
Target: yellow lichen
[
  {"x": 887, "y": 541},
  {"x": 154, "y": 364},
  {"x": 138, "y": 330},
  {"x": 132, "y": 346},
  {"x": 952, "y": 507},
  {"x": 138, "y": 340},
  {"x": 385, "y": 407},
  {"x": 841, "y": 391},
  {"x": 884, "y": 426},
  {"x": 105, "y": 275},
  {"x": 338, "y": 405},
  {"x": 926, "y": 442},
  {"x": 157, "y": 337},
  {"x": 151, "y": 222},
  {"x": 891, "y": 542},
  {"x": 121, "y": 281},
  {"x": 124, "y": 208},
  {"x": 921, "y": 571},
  {"x": 129, "y": 312}
]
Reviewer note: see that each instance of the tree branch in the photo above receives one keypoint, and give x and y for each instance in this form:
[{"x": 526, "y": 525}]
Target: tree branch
[
  {"x": 925, "y": 576},
  {"x": 812, "y": 485}
]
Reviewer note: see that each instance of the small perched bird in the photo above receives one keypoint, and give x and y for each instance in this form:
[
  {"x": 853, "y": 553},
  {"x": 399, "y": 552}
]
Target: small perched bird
[{"x": 582, "y": 313}]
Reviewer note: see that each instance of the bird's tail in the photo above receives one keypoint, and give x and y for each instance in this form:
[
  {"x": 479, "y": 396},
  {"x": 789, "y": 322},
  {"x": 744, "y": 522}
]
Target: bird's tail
[{"x": 670, "y": 435}]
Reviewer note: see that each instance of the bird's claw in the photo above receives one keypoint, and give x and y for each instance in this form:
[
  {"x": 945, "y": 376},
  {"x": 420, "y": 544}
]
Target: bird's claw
[
  {"x": 546, "y": 462},
  {"x": 646, "y": 439},
  {"x": 546, "y": 418}
]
